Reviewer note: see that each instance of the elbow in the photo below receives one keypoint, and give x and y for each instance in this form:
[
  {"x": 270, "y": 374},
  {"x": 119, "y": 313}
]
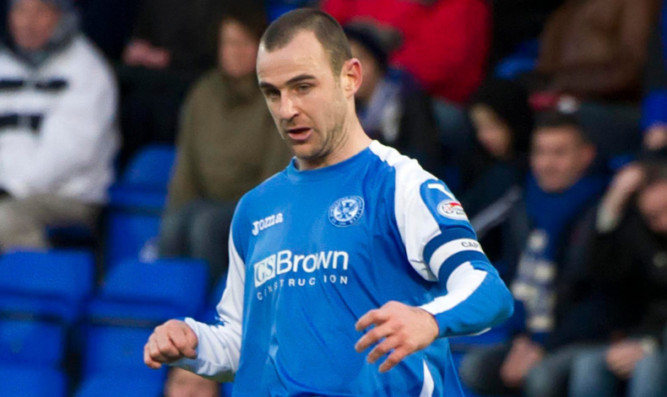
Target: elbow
[{"x": 505, "y": 303}]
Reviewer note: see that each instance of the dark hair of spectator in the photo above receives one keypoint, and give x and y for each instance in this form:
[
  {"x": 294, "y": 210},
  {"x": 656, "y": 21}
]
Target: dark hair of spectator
[
  {"x": 250, "y": 15},
  {"x": 327, "y": 30},
  {"x": 368, "y": 37},
  {"x": 509, "y": 101},
  {"x": 656, "y": 171},
  {"x": 557, "y": 119}
]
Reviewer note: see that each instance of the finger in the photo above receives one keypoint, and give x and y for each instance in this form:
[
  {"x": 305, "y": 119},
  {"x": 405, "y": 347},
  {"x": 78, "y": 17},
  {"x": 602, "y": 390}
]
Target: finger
[
  {"x": 371, "y": 317},
  {"x": 148, "y": 360},
  {"x": 383, "y": 349},
  {"x": 186, "y": 342},
  {"x": 394, "y": 358},
  {"x": 166, "y": 346},
  {"x": 154, "y": 350},
  {"x": 372, "y": 336}
]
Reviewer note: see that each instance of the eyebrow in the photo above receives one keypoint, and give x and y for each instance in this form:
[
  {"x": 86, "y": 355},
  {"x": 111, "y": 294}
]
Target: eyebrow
[{"x": 294, "y": 80}]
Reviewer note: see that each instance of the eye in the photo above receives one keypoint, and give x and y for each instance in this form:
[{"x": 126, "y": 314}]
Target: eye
[
  {"x": 303, "y": 88},
  {"x": 272, "y": 95}
]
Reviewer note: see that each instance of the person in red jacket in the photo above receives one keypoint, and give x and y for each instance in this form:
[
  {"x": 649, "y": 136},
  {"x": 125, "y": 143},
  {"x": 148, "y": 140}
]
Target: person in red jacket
[{"x": 444, "y": 42}]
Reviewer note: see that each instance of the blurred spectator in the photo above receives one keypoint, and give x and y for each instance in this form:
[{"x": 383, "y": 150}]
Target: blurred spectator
[
  {"x": 227, "y": 144},
  {"x": 391, "y": 108},
  {"x": 503, "y": 122},
  {"x": 544, "y": 227},
  {"x": 592, "y": 53},
  {"x": 496, "y": 167},
  {"x": 444, "y": 43},
  {"x": 182, "y": 383},
  {"x": 629, "y": 260},
  {"x": 172, "y": 44},
  {"x": 58, "y": 123},
  {"x": 654, "y": 115}
]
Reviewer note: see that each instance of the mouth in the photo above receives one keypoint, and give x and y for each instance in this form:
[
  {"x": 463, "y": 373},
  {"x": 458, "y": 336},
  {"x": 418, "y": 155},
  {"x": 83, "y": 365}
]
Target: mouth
[{"x": 299, "y": 134}]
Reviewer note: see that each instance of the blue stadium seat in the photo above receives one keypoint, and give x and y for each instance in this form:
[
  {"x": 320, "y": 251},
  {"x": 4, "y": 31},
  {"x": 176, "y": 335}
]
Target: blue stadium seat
[
  {"x": 151, "y": 292},
  {"x": 53, "y": 283},
  {"x": 20, "y": 381},
  {"x": 136, "y": 203},
  {"x": 144, "y": 183},
  {"x": 114, "y": 385},
  {"x": 135, "y": 297},
  {"x": 209, "y": 312},
  {"x": 117, "y": 349},
  {"x": 150, "y": 168},
  {"x": 42, "y": 294},
  {"x": 128, "y": 234}
]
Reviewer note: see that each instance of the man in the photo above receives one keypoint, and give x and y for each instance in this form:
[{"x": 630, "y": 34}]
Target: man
[
  {"x": 352, "y": 246},
  {"x": 57, "y": 124},
  {"x": 543, "y": 225},
  {"x": 629, "y": 262}
]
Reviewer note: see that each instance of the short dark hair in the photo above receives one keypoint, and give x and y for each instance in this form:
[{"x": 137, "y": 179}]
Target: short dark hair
[
  {"x": 557, "y": 119},
  {"x": 250, "y": 15},
  {"x": 655, "y": 171},
  {"x": 327, "y": 30}
]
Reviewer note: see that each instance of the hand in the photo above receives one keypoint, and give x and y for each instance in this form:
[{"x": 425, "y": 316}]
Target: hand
[
  {"x": 656, "y": 137},
  {"x": 141, "y": 53},
  {"x": 622, "y": 357},
  {"x": 625, "y": 183},
  {"x": 399, "y": 330},
  {"x": 169, "y": 342},
  {"x": 522, "y": 357}
]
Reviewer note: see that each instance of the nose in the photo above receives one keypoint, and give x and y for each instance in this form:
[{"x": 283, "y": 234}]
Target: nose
[{"x": 287, "y": 108}]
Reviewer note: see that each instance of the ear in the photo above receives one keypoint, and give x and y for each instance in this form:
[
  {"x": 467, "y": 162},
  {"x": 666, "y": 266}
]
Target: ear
[{"x": 350, "y": 76}]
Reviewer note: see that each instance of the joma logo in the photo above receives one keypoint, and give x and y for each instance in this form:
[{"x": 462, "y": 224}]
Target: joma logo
[{"x": 271, "y": 220}]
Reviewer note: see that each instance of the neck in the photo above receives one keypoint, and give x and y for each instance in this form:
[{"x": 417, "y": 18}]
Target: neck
[{"x": 352, "y": 140}]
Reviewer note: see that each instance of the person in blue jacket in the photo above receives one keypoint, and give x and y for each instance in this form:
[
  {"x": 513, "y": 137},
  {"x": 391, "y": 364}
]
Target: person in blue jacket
[{"x": 352, "y": 247}]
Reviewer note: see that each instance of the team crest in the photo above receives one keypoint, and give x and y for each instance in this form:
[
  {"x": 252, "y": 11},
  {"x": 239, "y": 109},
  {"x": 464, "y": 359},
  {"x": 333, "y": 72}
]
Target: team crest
[
  {"x": 452, "y": 209},
  {"x": 346, "y": 211}
]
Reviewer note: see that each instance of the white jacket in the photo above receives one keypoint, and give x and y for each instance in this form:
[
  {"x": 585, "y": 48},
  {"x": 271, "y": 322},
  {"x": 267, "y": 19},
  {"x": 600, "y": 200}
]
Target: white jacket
[{"x": 73, "y": 97}]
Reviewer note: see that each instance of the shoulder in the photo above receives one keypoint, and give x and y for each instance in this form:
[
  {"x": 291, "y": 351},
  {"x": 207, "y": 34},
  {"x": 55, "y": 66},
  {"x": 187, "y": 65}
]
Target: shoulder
[
  {"x": 209, "y": 81},
  {"x": 84, "y": 51},
  {"x": 83, "y": 62},
  {"x": 259, "y": 195},
  {"x": 404, "y": 172}
]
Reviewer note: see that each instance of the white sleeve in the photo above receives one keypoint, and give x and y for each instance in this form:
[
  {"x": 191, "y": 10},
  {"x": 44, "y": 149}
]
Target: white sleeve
[{"x": 219, "y": 347}]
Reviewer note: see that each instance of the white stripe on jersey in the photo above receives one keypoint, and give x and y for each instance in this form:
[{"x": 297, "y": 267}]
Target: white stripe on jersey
[
  {"x": 429, "y": 385},
  {"x": 418, "y": 222},
  {"x": 446, "y": 251},
  {"x": 463, "y": 281}
]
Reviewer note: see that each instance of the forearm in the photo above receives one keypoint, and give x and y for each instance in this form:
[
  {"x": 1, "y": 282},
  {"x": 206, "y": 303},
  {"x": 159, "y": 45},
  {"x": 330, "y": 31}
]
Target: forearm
[
  {"x": 218, "y": 351},
  {"x": 477, "y": 299}
]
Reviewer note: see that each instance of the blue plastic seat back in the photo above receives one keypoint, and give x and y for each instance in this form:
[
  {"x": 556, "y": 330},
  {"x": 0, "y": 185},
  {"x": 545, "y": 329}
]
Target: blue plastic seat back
[
  {"x": 46, "y": 282},
  {"x": 128, "y": 233},
  {"x": 116, "y": 350},
  {"x": 31, "y": 342},
  {"x": 209, "y": 312},
  {"x": 150, "y": 168},
  {"x": 121, "y": 384},
  {"x": 32, "y": 382},
  {"x": 177, "y": 283}
]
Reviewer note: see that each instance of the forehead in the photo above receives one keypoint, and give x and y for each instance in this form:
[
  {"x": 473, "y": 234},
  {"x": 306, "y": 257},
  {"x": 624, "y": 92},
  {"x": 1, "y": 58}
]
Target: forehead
[
  {"x": 302, "y": 55},
  {"x": 565, "y": 135}
]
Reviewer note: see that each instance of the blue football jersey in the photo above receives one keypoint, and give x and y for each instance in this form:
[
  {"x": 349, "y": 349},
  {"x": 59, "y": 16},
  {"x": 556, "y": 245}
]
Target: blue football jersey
[{"x": 313, "y": 251}]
